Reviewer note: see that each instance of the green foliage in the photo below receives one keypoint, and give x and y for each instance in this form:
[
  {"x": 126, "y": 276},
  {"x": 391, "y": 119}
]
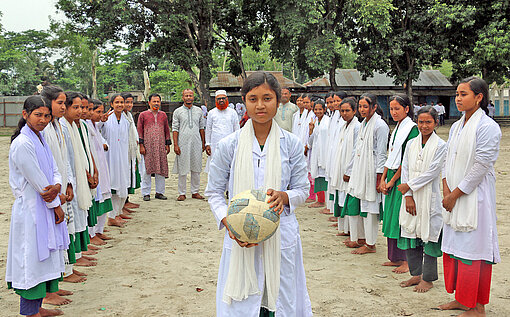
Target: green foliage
[{"x": 169, "y": 84}]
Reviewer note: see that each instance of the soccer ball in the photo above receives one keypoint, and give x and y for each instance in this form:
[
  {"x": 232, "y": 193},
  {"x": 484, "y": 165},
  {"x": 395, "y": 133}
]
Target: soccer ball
[{"x": 249, "y": 217}]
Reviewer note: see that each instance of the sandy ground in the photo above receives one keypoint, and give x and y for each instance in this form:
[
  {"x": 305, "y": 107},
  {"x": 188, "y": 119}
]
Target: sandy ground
[{"x": 159, "y": 261}]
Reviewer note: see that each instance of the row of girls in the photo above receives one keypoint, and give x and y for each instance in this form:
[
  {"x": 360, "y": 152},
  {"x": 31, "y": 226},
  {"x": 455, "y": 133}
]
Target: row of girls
[
  {"x": 71, "y": 166},
  {"x": 368, "y": 175}
]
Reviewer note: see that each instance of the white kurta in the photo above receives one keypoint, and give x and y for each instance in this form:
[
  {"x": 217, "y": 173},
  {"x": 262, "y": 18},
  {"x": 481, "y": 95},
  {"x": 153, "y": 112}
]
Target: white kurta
[
  {"x": 220, "y": 123},
  {"x": 188, "y": 122},
  {"x": 300, "y": 126},
  {"x": 24, "y": 270},
  {"x": 482, "y": 243},
  {"x": 335, "y": 126},
  {"x": 431, "y": 175},
  {"x": 293, "y": 299},
  {"x": 284, "y": 115},
  {"x": 116, "y": 133},
  {"x": 318, "y": 147}
]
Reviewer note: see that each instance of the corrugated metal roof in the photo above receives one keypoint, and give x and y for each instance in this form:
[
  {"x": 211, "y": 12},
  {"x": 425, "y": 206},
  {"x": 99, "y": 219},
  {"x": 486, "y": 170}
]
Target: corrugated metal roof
[
  {"x": 227, "y": 80},
  {"x": 352, "y": 78}
]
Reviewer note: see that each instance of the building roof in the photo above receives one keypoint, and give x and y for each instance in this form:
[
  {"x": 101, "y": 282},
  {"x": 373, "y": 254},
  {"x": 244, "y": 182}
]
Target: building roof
[
  {"x": 225, "y": 80},
  {"x": 352, "y": 78}
]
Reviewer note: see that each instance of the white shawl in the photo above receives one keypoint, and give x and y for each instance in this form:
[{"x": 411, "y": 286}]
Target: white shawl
[
  {"x": 86, "y": 141},
  {"x": 59, "y": 150},
  {"x": 97, "y": 150},
  {"x": 133, "y": 138},
  {"x": 363, "y": 181},
  {"x": 82, "y": 192},
  {"x": 343, "y": 155},
  {"x": 242, "y": 279},
  {"x": 419, "y": 162},
  {"x": 319, "y": 146},
  {"x": 397, "y": 139},
  {"x": 335, "y": 126},
  {"x": 459, "y": 160}
]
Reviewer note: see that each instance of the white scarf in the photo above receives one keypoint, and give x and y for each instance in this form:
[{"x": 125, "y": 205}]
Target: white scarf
[
  {"x": 459, "y": 160},
  {"x": 343, "y": 155},
  {"x": 335, "y": 126},
  {"x": 84, "y": 131},
  {"x": 82, "y": 192},
  {"x": 319, "y": 150},
  {"x": 363, "y": 181},
  {"x": 397, "y": 139},
  {"x": 242, "y": 279},
  {"x": 419, "y": 162},
  {"x": 133, "y": 138},
  {"x": 97, "y": 150},
  {"x": 59, "y": 150}
]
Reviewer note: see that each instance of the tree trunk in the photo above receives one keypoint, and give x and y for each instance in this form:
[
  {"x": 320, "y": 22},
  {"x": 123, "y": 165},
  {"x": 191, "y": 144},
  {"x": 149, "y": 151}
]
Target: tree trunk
[
  {"x": 146, "y": 79},
  {"x": 332, "y": 75},
  {"x": 239, "y": 52},
  {"x": 94, "y": 74},
  {"x": 409, "y": 89}
]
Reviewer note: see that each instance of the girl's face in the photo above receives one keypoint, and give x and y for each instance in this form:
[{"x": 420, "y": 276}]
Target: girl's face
[
  {"x": 38, "y": 119},
  {"x": 73, "y": 112},
  {"x": 306, "y": 103},
  {"x": 466, "y": 99},
  {"x": 128, "y": 104},
  {"x": 319, "y": 111},
  {"x": 337, "y": 100},
  {"x": 299, "y": 103},
  {"x": 261, "y": 104},
  {"x": 346, "y": 112},
  {"x": 330, "y": 102},
  {"x": 58, "y": 107},
  {"x": 118, "y": 105},
  {"x": 84, "y": 109},
  {"x": 364, "y": 109},
  {"x": 426, "y": 124},
  {"x": 397, "y": 111},
  {"x": 95, "y": 115}
]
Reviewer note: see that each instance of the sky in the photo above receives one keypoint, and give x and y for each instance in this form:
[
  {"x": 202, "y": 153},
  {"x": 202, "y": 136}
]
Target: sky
[{"x": 22, "y": 15}]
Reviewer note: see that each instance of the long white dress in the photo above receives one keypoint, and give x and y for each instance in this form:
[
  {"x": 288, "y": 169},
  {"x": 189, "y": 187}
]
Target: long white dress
[
  {"x": 188, "y": 122},
  {"x": 300, "y": 126},
  {"x": 24, "y": 270},
  {"x": 293, "y": 299},
  {"x": 318, "y": 147},
  {"x": 220, "y": 123},
  {"x": 482, "y": 243}
]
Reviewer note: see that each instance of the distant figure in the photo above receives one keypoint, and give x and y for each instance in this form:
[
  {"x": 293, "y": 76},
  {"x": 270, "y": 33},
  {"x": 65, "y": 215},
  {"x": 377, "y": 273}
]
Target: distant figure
[
  {"x": 285, "y": 111},
  {"x": 492, "y": 109}
]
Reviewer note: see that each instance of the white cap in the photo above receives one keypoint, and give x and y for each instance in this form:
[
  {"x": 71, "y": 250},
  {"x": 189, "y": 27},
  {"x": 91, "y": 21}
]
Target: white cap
[{"x": 220, "y": 92}]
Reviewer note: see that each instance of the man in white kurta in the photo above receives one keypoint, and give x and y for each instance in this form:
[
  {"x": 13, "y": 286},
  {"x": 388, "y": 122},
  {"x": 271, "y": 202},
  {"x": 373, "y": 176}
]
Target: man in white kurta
[
  {"x": 188, "y": 130},
  {"x": 221, "y": 121},
  {"x": 285, "y": 111}
]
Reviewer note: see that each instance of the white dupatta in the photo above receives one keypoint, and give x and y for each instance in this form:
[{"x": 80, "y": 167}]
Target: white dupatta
[
  {"x": 319, "y": 146},
  {"x": 59, "y": 150},
  {"x": 343, "y": 155},
  {"x": 242, "y": 278},
  {"x": 397, "y": 139},
  {"x": 82, "y": 192},
  {"x": 419, "y": 162},
  {"x": 460, "y": 158},
  {"x": 363, "y": 181}
]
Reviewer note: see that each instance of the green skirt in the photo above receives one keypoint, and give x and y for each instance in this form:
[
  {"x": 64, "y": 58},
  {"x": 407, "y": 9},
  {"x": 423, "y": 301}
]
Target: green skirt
[
  {"x": 337, "y": 211},
  {"x": 71, "y": 251},
  {"x": 429, "y": 248},
  {"x": 138, "y": 180},
  {"x": 92, "y": 214},
  {"x": 321, "y": 184},
  {"x": 81, "y": 241},
  {"x": 391, "y": 212},
  {"x": 105, "y": 207},
  {"x": 38, "y": 291}
]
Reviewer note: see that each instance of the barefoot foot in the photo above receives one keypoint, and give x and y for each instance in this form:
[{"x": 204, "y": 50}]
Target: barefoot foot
[
  {"x": 325, "y": 211},
  {"x": 353, "y": 244},
  {"x": 50, "y": 312},
  {"x": 97, "y": 240},
  {"x": 415, "y": 280},
  {"x": 403, "y": 268},
  {"x": 93, "y": 247},
  {"x": 453, "y": 305},
  {"x": 131, "y": 205},
  {"x": 63, "y": 292},
  {"x": 73, "y": 278},
  {"x": 89, "y": 258},
  {"x": 79, "y": 273},
  {"x": 125, "y": 216},
  {"x": 89, "y": 252},
  {"x": 316, "y": 205},
  {"x": 56, "y": 300},
  {"x": 83, "y": 262},
  {"x": 115, "y": 223},
  {"x": 423, "y": 287},
  {"x": 309, "y": 200},
  {"x": 399, "y": 263},
  {"x": 103, "y": 237},
  {"x": 342, "y": 234},
  {"x": 364, "y": 249}
]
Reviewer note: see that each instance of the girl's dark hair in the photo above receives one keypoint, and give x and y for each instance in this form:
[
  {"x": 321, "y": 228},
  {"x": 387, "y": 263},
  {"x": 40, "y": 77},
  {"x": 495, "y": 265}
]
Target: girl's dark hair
[
  {"x": 301, "y": 95},
  {"x": 259, "y": 78},
  {"x": 84, "y": 96},
  {"x": 112, "y": 98},
  {"x": 430, "y": 110},
  {"x": 51, "y": 92},
  {"x": 127, "y": 95},
  {"x": 320, "y": 102},
  {"x": 404, "y": 101},
  {"x": 306, "y": 96},
  {"x": 351, "y": 102},
  {"x": 31, "y": 103},
  {"x": 329, "y": 95},
  {"x": 479, "y": 86},
  {"x": 370, "y": 98},
  {"x": 96, "y": 103},
  {"x": 70, "y": 96},
  {"x": 342, "y": 94}
]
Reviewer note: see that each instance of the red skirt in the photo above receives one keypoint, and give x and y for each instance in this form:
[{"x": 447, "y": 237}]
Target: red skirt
[{"x": 471, "y": 283}]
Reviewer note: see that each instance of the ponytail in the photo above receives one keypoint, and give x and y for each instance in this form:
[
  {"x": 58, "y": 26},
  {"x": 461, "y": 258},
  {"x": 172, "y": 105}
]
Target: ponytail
[{"x": 21, "y": 124}]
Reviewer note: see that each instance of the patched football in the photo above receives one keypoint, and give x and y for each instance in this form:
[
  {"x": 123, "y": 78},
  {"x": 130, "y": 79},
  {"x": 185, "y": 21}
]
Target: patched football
[{"x": 249, "y": 217}]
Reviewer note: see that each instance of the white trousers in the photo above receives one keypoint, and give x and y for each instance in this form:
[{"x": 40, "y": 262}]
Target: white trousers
[
  {"x": 371, "y": 226},
  {"x": 356, "y": 229},
  {"x": 147, "y": 184},
  {"x": 99, "y": 227},
  {"x": 92, "y": 232},
  {"x": 117, "y": 203},
  {"x": 343, "y": 224},
  {"x": 195, "y": 183}
]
